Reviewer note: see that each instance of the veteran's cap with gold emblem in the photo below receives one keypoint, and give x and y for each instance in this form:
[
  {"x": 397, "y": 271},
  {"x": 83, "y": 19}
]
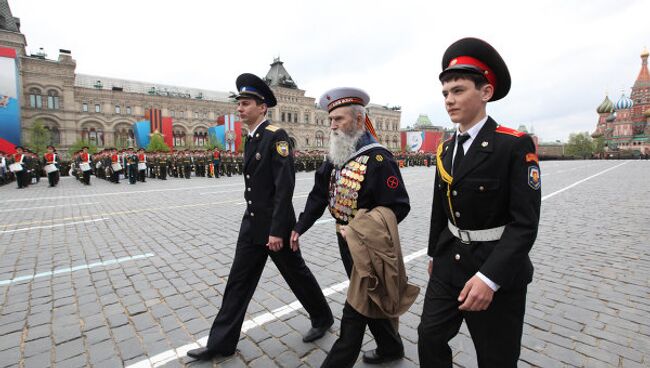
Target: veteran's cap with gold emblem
[
  {"x": 251, "y": 86},
  {"x": 472, "y": 55}
]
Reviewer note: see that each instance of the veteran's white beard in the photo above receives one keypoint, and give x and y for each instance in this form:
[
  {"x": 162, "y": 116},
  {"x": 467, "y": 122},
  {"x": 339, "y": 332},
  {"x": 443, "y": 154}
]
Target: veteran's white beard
[{"x": 342, "y": 146}]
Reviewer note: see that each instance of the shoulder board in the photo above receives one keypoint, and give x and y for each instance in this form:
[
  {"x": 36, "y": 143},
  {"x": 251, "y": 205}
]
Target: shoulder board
[
  {"x": 505, "y": 130},
  {"x": 272, "y": 128}
]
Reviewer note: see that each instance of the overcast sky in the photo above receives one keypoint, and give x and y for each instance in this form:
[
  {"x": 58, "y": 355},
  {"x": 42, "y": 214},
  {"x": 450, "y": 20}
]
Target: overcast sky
[{"x": 563, "y": 55}]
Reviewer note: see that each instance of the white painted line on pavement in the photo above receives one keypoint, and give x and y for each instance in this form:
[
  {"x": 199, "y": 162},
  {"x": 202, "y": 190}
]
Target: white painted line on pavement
[
  {"x": 261, "y": 319},
  {"x": 581, "y": 181},
  {"x": 51, "y": 226},
  {"x": 94, "y": 195},
  {"x": 42, "y": 207},
  {"x": 75, "y": 268}
]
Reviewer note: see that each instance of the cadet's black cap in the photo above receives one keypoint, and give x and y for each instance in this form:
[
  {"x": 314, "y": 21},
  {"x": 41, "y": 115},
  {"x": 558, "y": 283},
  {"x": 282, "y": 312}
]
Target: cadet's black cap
[
  {"x": 471, "y": 55},
  {"x": 86, "y": 147},
  {"x": 50, "y": 146},
  {"x": 250, "y": 85}
]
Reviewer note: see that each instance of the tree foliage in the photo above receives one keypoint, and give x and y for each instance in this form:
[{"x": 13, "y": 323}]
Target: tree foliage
[
  {"x": 580, "y": 145},
  {"x": 39, "y": 138},
  {"x": 79, "y": 144},
  {"x": 157, "y": 143}
]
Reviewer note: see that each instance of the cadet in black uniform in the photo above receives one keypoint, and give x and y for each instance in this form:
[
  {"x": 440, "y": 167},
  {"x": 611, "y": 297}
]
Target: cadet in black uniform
[
  {"x": 366, "y": 176},
  {"x": 265, "y": 227},
  {"x": 484, "y": 219}
]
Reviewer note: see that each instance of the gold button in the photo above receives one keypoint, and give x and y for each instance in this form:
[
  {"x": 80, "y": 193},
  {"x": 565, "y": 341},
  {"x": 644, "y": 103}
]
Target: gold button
[
  {"x": 481, "y": 188},
  {"x": 250, "y": 202},
  {"x": 454, "y": 193},
  {"x": 457, "y": 257},
  {"x": 457, "y": 214},
  {"x": 248, "y": 189},
  {"x": 252, "y": 214},
  {"x": 248, "y": 176}
]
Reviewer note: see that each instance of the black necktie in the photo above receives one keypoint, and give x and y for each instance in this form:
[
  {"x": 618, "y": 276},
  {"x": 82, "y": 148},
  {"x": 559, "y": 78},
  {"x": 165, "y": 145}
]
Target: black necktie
[{"x": 460, "y": 151}]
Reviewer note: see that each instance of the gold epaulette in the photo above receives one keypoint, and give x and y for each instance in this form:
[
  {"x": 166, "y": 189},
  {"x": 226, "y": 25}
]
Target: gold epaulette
[{"x": 272, "y": 128}]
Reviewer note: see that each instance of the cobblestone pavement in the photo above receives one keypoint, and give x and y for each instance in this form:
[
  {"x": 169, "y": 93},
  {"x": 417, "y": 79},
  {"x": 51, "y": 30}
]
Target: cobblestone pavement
[{"x": 121, "y": 275}]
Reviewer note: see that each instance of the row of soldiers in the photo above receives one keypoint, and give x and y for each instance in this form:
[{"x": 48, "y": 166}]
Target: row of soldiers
[
  {"x": 26, "y": 167},
  {"x": 406, "y": 159},
  {"x": 111, "y": 164}
]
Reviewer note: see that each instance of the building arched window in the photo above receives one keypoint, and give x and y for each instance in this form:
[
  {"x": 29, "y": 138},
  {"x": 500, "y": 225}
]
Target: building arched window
[
  {"x": 319, "y": 139},
  {"x": 92, "y": 136},
  {"x": 52, "y": 100},
  {"x": 35, "y": 99}
]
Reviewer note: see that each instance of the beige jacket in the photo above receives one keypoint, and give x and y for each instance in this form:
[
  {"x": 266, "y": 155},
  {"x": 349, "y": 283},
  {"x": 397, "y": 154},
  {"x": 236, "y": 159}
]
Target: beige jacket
[{"x": 378, "y": 282}]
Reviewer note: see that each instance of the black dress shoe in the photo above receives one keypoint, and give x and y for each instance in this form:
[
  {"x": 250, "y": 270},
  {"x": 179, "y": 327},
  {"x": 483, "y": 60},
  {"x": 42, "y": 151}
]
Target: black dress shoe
[
  {"x": 316, "y": 333},
  {"x": 202, "y": 354},
  {"x": 372, "y": 357}
]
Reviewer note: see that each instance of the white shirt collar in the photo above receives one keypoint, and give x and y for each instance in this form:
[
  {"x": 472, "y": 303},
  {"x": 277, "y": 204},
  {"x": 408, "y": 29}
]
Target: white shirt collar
[
  {"x": 473, "y": 131},
  {"x": 254, "y": 130}
]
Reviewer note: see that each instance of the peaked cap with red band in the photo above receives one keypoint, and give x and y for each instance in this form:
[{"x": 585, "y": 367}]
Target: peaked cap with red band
[
  {"x": 471, "y": 55},
  {"x": 345, "y": 96}
]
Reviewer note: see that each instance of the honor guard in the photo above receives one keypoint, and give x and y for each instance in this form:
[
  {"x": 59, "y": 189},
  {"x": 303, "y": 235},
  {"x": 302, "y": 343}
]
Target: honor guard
[
  {"x": 484, "y": 220},
  {"x": 142, "y": 165},
  {"x": 359, "y": 174},
  {"x": 116, "y": 166},
  {"x": 265, "y": 228},
  {"x": 19, "y": 167},
  {"x": 216, "y": 162},
  {"x": 51, "y": 164},
  {"x": 85, "y": 161}
]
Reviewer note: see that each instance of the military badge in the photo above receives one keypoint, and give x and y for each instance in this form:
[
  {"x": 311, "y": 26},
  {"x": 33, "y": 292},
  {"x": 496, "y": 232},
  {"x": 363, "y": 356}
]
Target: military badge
[
  {"x": 379, "y": 158},
  {"x": 534, "y": 180},
  {"x": 392, "y": 182},
  {"x": 283, "y": 148},
  {"x": 258, "y": 156},
  {"x": 532, "y": 157}
]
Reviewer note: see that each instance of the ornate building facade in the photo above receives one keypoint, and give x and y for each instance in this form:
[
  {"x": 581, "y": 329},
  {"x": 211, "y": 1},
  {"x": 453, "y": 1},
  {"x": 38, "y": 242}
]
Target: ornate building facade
[
  {"x": 102, "y": 110},
  {"x": 625, "y": 125}
]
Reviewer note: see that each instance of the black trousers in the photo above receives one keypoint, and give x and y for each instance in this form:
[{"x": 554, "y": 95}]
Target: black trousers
[
  {"x": 86, "y": 177},
  {"x": 496, "y": 332},
  {"x": 142, "y": 175},
  {"x": 244, "y": 275},
  {"x": 216, "y": 165},
  {"x": 346, "y": 349},
  {"x": 53, "y": 178},
  {"x": 187, "y": 171},
  {"x": 22, "y": 178},
  {"x": 163, "y": 172}
]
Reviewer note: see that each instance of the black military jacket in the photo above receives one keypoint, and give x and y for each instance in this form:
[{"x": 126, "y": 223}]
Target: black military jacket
[
  {"x": 497, "y": 183},
  {"x": 382, "y": 185},
  {"x": 270, "y": 179}
]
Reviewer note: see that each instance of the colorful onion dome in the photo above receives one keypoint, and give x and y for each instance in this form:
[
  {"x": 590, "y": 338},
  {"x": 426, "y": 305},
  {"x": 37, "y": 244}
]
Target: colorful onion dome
[
  {"x": 606, "y": 106},
  {"x": 624, "y": 103}
]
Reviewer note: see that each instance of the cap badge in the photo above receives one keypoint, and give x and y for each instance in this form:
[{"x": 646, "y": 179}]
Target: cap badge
[{"x": 453, "y": 62}]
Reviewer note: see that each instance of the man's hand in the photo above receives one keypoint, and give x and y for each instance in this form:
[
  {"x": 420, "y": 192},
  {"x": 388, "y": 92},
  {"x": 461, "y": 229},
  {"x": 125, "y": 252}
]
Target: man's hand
[
  {"x": 294, "y": 241},
  {"x": 275, "y": 243},
  {"x": 343, "y": 229},
  {"x": 430, "y": 266},
  {"x": 475, "y": 296}
]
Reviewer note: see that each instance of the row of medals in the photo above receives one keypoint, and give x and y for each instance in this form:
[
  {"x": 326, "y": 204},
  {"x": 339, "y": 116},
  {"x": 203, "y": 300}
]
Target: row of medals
[{"x": 343, "y": 202}]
